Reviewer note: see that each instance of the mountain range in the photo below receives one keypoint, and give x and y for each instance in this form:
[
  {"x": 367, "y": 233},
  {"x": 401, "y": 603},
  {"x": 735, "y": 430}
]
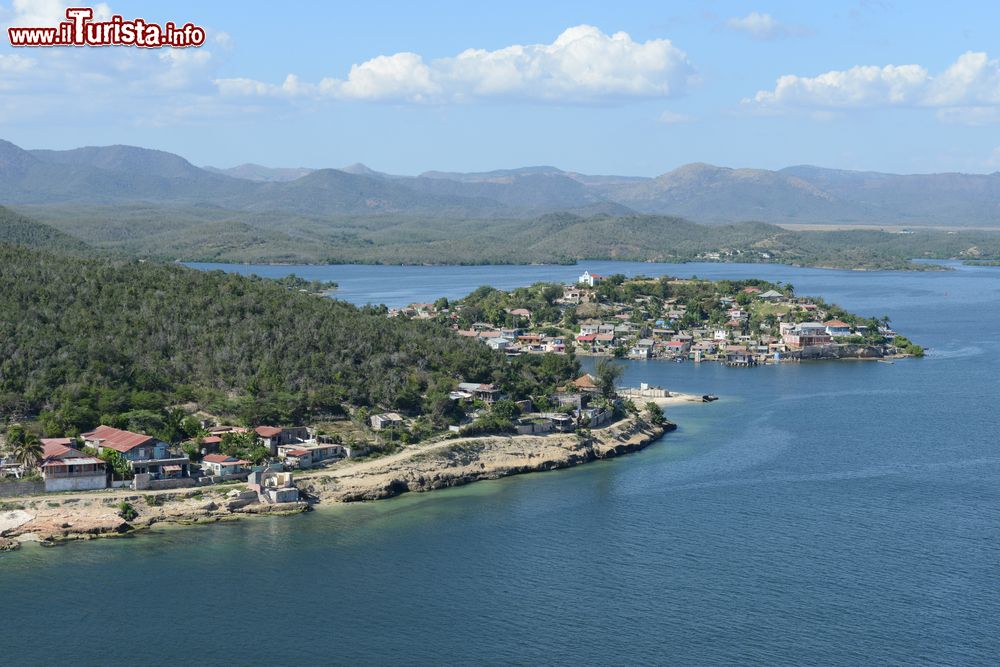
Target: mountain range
[{"x": 117, "y": 175}]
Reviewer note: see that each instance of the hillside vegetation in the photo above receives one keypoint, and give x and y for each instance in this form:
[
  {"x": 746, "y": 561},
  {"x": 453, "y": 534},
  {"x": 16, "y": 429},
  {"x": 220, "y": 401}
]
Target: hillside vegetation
[
  {"x": 20, "y": 230},
  {"x": 219, "y": 235},
  {"x": 91, "y": 340}
]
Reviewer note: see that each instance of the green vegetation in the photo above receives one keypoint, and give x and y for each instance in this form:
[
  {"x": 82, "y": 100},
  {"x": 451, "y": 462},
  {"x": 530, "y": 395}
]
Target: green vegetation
[
  {"x": 247, "y": 446},
  {"x": 221, "y": 235},
  {"x": 654, "y": 414},
  {"x": 608, "y": 374},
  {"x": 126, "y": 511},
  {"x": 25, "y": 446},
  {"x": 906, "y": 346},
  {"x": 85, "y": 341},
  {"x": 19, "y": 230}
]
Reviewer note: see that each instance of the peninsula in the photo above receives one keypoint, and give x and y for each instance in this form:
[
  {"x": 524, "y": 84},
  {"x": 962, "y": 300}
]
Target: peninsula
[
  {"x": 736, "y": 322},
  {"x": 228, "y": 395}
]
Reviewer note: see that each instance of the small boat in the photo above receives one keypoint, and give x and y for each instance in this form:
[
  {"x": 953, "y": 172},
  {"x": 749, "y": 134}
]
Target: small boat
[{"x": 708, "y": 398}]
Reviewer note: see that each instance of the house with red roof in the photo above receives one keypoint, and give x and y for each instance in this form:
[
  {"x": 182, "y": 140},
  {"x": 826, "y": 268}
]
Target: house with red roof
[
  {"x": 67, "y": 469},
  {"x": 837, "y": 328},
  {"x": 144, "y": 453},
  {"x": 586, "y": 383},
  {"x": 274, "y": 436},
  {"x": 222, "y": 465}
]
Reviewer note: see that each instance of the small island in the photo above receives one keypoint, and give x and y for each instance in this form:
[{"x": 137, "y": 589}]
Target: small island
[{"x": 736, "y": 322}]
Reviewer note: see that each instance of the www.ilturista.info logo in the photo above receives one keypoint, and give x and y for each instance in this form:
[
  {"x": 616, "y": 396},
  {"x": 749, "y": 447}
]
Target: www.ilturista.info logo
[{"x": 81, "y": 30}]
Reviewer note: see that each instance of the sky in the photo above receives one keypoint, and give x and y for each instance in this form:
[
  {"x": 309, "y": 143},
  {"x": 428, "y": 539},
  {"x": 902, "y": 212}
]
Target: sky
[{"x": 632, "y": 88}]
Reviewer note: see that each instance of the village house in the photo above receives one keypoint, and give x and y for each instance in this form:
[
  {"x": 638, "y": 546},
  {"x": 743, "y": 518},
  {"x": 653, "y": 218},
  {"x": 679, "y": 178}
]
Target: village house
[
  {"x": 482, "y": 392},
  {"x": 144, "y": 453},
  {"x": 677, "y": 348},
  {"x": 67, "y": 469},
  {"x": 305, "y": 456},
  {"x": 772, "y": 295},
  {"x": 590, "y": 279},
  {"x": 385, "y": 420},
  {"x": 295, "y": 456},
  {"x": 571, "y": 296},
  {"x": 274, "y": 436},
  {"x": 499, "y": 343},
  {"x": 837, "y": 328},
  {"x": 586, "y": 383},
  {"x": 806, "y": 334},
  {"x": 222, "y": 465}
]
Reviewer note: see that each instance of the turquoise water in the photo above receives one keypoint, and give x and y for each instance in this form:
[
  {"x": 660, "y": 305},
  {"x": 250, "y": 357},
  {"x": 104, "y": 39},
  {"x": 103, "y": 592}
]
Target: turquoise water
[{"x": 828, "y": 513}]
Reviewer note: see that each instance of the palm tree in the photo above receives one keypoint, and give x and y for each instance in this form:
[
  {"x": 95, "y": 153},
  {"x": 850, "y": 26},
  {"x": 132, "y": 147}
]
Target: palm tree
[
  {"x": 173, "y": 425},
  {"x": 27, "y": 450}
]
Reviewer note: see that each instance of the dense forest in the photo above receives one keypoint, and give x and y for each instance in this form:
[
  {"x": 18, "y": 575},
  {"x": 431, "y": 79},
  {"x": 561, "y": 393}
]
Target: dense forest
[
  {"x": 90, "y": 340},
  {"x": 19, "y": 230},
  {"x": 217, "y": 234}
]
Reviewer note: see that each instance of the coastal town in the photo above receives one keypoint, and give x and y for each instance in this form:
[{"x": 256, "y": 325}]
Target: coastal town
[
  {"x": 131, "y": 477},
  {"x": 738, "y": 323}
]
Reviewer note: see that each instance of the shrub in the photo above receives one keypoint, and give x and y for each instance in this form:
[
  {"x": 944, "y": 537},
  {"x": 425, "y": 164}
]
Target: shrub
[{"x": 126, "y": 511}]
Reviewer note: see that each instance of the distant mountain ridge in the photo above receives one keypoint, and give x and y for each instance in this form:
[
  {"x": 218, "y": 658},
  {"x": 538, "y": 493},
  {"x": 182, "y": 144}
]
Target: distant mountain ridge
[
  {"x": 111, "y": 175},
  {"x": 257, "y": 172}
]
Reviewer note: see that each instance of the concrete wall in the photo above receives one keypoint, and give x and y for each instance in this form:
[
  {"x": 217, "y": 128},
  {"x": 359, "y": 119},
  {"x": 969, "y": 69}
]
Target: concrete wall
[
  {"x": 143, "y": 482},
  {"x": 20, "y": 488},
  {"x": 81, "y": 483}
]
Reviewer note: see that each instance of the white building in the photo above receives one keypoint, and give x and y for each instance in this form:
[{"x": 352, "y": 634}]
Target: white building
[{"x": 590, "y": 279}]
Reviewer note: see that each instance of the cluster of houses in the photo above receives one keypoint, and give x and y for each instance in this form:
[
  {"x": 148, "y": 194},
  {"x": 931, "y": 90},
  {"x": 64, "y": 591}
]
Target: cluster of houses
[
  {"x": 154, "y": 464},
  {"x": 627, "y": 329},
  {"x": 572, "y": 409}
]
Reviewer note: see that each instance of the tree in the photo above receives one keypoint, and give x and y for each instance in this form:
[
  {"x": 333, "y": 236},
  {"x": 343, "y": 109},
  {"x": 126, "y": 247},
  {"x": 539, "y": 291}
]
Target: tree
[
  {"x": 27, "y": 449},
  {"x": 608, "y": 374},
  {"x": 173, "y": 430},
  {"x": 505, "y": 410},
  {"x": 118, "y": 463},
  {"x": 654, "y": 414},
  {"x": 246, "y": 445}
]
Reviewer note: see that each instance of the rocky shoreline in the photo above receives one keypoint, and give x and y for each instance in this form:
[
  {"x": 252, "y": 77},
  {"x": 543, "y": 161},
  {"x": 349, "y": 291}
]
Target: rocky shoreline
[
  {"x": 466, "y": 460},
  {"x": 58, "y": 518}
]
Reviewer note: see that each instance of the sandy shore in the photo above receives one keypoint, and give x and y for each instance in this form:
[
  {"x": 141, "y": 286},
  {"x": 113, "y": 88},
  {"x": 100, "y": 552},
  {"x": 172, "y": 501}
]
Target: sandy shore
[
  {"x": 59, "y": 517},
  {"x": 674, "y": 399}
]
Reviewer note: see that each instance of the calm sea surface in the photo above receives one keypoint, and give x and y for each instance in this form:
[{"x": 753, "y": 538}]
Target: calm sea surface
[{"x": 827, "y": 513}]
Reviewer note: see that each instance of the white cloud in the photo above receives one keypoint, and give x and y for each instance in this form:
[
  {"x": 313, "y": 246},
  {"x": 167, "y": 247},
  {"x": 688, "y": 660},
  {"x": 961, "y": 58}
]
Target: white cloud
[
  {"x": 582, "y": 65},
  {"x": 674, "y": 118},
  {"x": 763, "y": 26},
  {"x": 968, "y": 91}
]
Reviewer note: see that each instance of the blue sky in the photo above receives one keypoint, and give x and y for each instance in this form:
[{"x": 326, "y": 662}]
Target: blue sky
[{"x": 598, "y": 87}]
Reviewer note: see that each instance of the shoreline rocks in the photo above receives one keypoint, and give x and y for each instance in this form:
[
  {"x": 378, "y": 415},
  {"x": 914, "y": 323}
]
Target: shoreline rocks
[{"x": 53, "y": 519}]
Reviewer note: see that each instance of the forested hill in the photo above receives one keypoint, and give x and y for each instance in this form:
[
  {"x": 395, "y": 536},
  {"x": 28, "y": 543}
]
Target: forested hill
[
  {"x": 19, "y": 230},
  {"x": 84, "y": 341}
]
